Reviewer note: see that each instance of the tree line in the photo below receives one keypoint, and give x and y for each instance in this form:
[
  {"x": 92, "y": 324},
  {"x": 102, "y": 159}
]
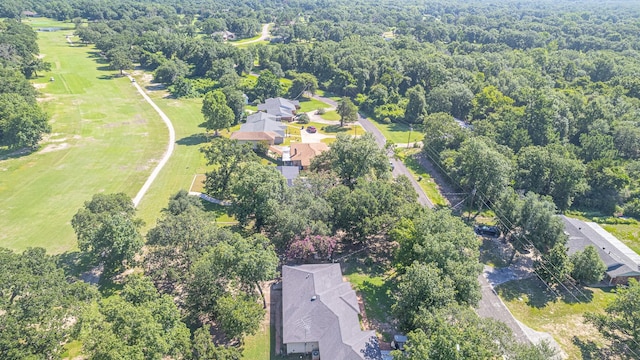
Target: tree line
[{"x": 22, "y": 121}]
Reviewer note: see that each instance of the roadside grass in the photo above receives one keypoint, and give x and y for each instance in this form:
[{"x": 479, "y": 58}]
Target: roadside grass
[
  {"x": 105, "y": 138},
  {"x": 397, "y": 132},
  {"x": 423, "y": 178},
  {"x": 331, "y": 115},
  {"x": 562, "y": 317}
]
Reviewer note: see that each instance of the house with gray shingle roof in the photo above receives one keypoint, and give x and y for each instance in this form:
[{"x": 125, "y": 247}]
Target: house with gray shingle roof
[
  {"x": 622, "y": 262},
  {"x": 261, "y": 127},
  {"x": 282, "y": 108},
  {"x": 320, "y": 315}
]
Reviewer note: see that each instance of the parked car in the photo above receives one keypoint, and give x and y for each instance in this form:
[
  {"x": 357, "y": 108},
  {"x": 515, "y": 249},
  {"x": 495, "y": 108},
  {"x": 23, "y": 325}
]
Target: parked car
[
  {"x": 398, "y": 342},
  {"x": 485, "y": 230},
  {"x": 311, "y": 129}
]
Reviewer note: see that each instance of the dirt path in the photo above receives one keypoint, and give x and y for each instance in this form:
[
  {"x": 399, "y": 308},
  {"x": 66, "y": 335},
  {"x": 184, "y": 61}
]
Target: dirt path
[{"x": 167, "y": 153}]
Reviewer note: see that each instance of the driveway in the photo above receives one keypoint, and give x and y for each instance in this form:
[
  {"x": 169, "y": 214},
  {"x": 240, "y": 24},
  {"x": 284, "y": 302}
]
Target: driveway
[{"x": 308, "y": 138}]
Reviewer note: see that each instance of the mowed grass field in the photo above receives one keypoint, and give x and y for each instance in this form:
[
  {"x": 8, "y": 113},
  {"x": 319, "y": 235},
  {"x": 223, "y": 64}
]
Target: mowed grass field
[{"x": 105, "y": 138}]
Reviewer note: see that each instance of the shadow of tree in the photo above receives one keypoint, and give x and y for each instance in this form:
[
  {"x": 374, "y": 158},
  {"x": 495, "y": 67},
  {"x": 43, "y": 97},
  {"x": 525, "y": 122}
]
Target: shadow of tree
[
  {"x": 588, "y": 349},
  {"x": 14, "y": 154},
  {"x": 333, "y": 129},
  {"x": 538, "y": 295},
  {"x": 98, "y": 57},
  {"x": 106, "y": 77},
  {"x": 155, "y": 87},
  {"x": 582, "y": 294},
  {"x": 193, "y": 139},
  {"x": 73, "y": 263}
]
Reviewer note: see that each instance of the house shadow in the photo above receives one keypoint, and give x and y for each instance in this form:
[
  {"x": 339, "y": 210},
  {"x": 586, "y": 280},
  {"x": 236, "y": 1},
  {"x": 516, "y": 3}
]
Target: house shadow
[{"x": 193, "y": 139}]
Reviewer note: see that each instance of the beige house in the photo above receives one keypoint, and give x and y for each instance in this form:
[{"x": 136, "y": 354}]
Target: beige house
[{"x": 301, "y": 154}]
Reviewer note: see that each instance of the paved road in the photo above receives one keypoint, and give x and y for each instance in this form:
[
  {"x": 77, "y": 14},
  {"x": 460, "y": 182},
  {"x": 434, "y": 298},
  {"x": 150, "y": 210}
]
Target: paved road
[
  {"x": 398, "y": 166},
  {"x": 167, "y": 153},
  {"x": 492, "y": 307}
]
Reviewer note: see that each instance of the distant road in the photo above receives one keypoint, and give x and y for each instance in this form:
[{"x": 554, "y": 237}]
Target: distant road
[
  {"x": 398, "y": 166},
  {"x": 167, "y": 153},
  {"x": 263, "y": 36}
]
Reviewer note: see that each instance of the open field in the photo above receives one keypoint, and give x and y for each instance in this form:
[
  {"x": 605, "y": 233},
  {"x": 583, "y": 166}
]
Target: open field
[
  {"x": 105, "y": 138},
  {"x": 397, "y": 132},
  {"x": 531, "y": 303}
]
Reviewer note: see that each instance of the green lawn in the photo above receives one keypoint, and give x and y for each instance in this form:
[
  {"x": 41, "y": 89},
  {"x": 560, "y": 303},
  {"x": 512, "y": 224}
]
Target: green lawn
[
  {"x": 376, "y": 288},
  {"x": 307, "y": 105},
  {"x": 398, "y": 133},
  {"x": 424, "y": 179},
  {"x": 336, "y": 129},
  {"x": 531, "y": 303},
  {"x": 105, "y": 138},
  {"x": 331, "y": 115}
]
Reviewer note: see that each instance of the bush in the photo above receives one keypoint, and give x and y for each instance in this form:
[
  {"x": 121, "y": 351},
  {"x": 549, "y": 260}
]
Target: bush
[
  {"x": 262, "y": 147},
  {"x": 321, "y": 111},
  {"x": 632, "y": 208},
  {"x": 304, "y": 118},
  {"x": 386, "y": 121}
]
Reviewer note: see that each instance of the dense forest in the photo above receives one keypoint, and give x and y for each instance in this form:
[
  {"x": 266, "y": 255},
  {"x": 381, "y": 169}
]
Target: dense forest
[{"x": 529, "y": 108}]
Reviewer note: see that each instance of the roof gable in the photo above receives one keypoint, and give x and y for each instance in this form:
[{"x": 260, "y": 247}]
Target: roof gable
[{"x": 318, "y": 306}]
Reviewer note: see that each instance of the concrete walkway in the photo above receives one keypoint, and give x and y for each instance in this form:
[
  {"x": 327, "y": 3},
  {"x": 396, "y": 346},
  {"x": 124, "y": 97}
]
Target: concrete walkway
[{"x": 167, "y": 153}]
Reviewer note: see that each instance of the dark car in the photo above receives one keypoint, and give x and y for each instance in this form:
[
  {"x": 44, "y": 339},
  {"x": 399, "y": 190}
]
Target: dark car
[
  {"x": 485, "y": 230},
  {"x": 398, "y": 342},
  {"x": 311, "y": 129}
]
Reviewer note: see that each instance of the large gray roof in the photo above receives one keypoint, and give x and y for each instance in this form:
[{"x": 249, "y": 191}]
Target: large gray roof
[
  {"x": 619, "y": 258},
  {"x": 279, "y": 107},
  {"x": 331, "y": 318},
  {"x": 263, "y": 122}
]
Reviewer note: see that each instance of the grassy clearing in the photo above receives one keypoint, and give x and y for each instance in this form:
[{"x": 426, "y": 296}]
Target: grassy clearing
[
  {"x": 328, "y": 94},
  {"x": 424, "y": 179},
  {"x": 331, "y": 115},
  {"x": 531, "y": 302},
  {"x": 261, "y": 346},
  {"x": 98, "y": 143},
  {"x": 398, "y": 133},
  {"x": 37, "y": 23}
]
